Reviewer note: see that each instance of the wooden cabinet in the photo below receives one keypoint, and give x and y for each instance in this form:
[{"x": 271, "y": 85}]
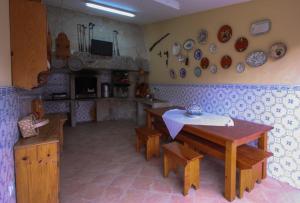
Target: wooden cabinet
[
  {"x": 28, "y": 31},
  {"x": 37, "y": 164}
]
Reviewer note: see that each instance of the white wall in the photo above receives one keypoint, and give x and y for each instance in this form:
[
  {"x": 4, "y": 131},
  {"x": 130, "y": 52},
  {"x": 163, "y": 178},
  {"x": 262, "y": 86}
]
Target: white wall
[{"x": 5, "y": 63}]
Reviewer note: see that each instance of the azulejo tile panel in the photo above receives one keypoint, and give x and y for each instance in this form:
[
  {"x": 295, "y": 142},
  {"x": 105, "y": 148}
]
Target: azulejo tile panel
[{"x": 276, "y": 105}]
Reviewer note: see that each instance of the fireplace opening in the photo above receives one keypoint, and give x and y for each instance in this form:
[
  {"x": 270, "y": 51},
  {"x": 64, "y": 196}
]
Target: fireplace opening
[{"x": 85, "y": 87}]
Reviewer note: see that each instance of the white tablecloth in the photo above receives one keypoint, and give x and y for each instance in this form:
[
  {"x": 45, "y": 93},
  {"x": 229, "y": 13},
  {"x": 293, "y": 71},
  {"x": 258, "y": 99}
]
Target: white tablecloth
[{"x": 175, "y": 119}]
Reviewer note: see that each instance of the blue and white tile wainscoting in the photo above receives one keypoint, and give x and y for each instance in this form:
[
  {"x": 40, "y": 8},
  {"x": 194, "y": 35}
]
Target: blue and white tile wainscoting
[
  {"x": 14, "y": 104},
  {"x": 275, "y": 105}
]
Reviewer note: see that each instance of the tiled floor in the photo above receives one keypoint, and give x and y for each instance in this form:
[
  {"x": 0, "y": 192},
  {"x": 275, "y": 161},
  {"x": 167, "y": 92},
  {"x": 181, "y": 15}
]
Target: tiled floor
[{"x": 99, "y": 164}]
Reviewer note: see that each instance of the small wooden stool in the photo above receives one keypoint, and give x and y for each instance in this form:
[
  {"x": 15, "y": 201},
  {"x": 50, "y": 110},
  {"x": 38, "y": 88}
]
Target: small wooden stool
[
  {"x": 149, "y": 138},
  {"x": 176, "y": 154}
]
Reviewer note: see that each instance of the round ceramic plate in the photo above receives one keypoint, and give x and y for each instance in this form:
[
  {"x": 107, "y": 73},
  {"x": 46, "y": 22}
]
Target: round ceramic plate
[
  {"x": 202, "y": 37},
  {"x": 256, "y": 58},
  {"x": 197, "y": 71},
  {"x": 181, "y": 58},
  {"x": 212, "y": 48},
  {"x": 240, "y": 67},
  {"x": 213, "y": 69},
  {"x": 182, "y": 72},
  {"x": 198, "y": 54},
  {"x": 204, "y": 63},
  {"x": 172, "y": 74},
  {"x": 225, "y": 33},
  {"x": 176, "y": 48},
  {"x": 226, "y": 61},
  {"x": 189, "y": 44},
  {"x": 241, "y": 44},
  {"x": 278, "y": 50}
]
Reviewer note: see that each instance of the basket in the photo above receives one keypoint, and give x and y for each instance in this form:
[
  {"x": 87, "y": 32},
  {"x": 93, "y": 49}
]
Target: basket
[{"x": 29, "y": 125}]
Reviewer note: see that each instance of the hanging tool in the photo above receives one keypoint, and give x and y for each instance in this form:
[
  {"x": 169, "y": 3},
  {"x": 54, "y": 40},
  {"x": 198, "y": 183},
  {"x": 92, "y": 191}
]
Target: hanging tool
[
  {"x": 78, "y": 37},
  {"x": 159, "y": 54},
  {"x": 158, "y": 41},
  {"x": 166, "y": 53},
  {"x": 91, "y": 35},
  {"x": 84, "y": 37},
  {"x": 116, "y": 51}
]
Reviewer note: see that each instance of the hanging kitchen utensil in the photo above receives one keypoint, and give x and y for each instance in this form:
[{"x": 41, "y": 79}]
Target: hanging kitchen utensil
[
  {"x": 189, "y": 44},
  {"x": 62, "y": 46},
  {"x": 226, "y": 61},
  {"x": 172, "y": 73},
  {"x": 176, "y": 48},
  {"x": 241, "y": 44},
  {"x": 91, "y": 30},
  {"x": 158, "y": 41},
  {"x": 116, "y": 51},
  {"x": 198, "y": 54},
  {"x": 256, "y": 58},
  {"x": 225, "y": 33},
  {"x": 75, "y": 63},
  {"x": 166, "y": 53},
  {"x": 202, "y": 36},
  {"x": 79, "y": 37},
  {"x": 85, "y": 49},
  {"x": 278, "y": 50},
  {"x": 159, "y": 54},
  {"x": 204, "y": 63}
]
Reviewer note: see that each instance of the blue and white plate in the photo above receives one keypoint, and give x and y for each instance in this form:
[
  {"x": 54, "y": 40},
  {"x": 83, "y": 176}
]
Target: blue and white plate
[
  {"x": 198, "y": 54},
  {"x": 256, "y": 58},
  {"x": 182, "y": 72},
  {"x": 189, "y": 44},
  {"x": 197, "y": 71}
]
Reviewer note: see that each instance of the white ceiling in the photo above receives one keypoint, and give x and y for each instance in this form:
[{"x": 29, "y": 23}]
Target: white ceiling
[{"x": 147, "y": 11}]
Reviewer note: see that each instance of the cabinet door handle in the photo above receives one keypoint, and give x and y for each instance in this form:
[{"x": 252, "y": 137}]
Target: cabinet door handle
[{"x": 24, "y": 158}]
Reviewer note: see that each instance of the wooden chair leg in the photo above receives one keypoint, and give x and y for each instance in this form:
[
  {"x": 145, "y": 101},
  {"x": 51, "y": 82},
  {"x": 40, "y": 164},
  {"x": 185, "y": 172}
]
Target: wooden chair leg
[{"x": 166, "y": 165}]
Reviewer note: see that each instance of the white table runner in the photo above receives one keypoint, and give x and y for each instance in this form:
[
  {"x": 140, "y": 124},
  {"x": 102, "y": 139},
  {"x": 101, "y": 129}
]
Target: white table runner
[{"x": 175, "y": 119}]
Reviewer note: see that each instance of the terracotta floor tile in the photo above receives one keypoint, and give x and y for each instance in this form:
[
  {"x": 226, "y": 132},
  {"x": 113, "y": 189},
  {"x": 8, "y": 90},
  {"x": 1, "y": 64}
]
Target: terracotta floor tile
[{"x": 99, "y": 165}]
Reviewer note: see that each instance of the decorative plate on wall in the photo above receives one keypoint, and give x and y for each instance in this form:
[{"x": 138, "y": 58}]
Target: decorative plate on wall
[
  {"x": 176, "y": 48},
  {"x": 172, "y": 74},
  {"x": 181, "y": 58},
  {"x": 278, "y": 50},
  {"x": 212, "y": 48},
  {"x": 202, "y": 36},
  {"x": 225, "y": 33},
  {"x": 198, "y": 54},
  {"x": 197, "y": 71},
  {"x": 189, "y": 44},
  {"x": 213, "y": 68},
  {"x": 226, "y": 61},
  {"x": 260, "y": 27},
  {"x": 240, "y": 67},
  {"x": 241, "y": 44},
  {"x": 204, "y": 63},
  {"x": 182, "y": 72},
  {"x": 256, "y": 58}
]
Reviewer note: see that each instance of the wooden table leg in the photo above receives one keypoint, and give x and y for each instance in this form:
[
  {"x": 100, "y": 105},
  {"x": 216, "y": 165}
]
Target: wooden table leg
[
  {"x": 230, "y": 171},
  {"x": 149, "y": 120},
  {"x": 262, "y": 144}
]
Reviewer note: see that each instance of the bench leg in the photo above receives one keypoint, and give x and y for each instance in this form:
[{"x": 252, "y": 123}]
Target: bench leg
[
  {"x": 156, "y": 146},
  {"x": 166, "y": 165},
  {"x": 187, "y": 179},
  {"x": 246, "y": 181},
  {"x": 195, "y": 173},
  {"x": 149, "y": 149}
]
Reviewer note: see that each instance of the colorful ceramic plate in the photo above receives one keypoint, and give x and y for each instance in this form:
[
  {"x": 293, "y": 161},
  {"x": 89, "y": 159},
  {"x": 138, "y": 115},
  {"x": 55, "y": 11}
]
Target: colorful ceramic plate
[
  {"x": 204, "y": 63},
  {"x": 260, "y": 27},
  {"x": 226, "y": 61},
  {"x": 240, "y": 67},
  {"x": 189, "y": 44},
  {"x": 172, "y": 74},
  {"x": 197, "y": 71},
  {"x": 225, "y": 33},
  {"x": 182, "y": 72},
  {"x": 212, "y": 48},
  {"x": 256, "y": 58},
  {"x": 176, "y": 48},
  {"x": 202, "y": 37},
  {"x": 241, "y": 44},
  {"x": 278, "y": 50},
  {"x": 213, "y": 69},
  {"x": 198, "y": 54}
]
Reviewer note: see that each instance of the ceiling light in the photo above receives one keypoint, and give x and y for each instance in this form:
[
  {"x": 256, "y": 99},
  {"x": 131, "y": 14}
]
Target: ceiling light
[
  {"x": 109, "y": 9},
  {"x": 170, "y": 3}
]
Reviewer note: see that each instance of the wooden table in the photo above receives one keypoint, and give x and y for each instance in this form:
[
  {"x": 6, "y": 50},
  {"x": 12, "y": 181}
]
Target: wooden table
[{"x": 230, "y": 137}]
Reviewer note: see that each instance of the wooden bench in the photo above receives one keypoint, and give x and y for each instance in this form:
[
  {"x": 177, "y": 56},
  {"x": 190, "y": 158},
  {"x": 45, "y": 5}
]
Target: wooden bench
[
  {"x": 249, "y": 159},
  {"x": 149, "y": 138},
  {"x": 176, "y": 154}
]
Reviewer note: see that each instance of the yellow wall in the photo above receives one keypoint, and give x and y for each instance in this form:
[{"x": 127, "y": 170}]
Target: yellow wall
[
  {"x": 5, "y": 65},
  {"x": 285, "y": 16}
]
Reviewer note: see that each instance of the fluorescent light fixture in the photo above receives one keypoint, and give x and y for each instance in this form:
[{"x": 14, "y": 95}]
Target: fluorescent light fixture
[
  {"x": 109, "y": 9},
  {"x": 170, "y": 3}
]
